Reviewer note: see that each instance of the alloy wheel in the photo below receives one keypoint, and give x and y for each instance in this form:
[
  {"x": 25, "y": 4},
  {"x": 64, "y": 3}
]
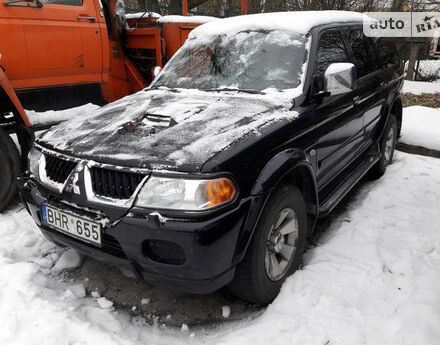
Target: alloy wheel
[{"x": 281, "y": 244}]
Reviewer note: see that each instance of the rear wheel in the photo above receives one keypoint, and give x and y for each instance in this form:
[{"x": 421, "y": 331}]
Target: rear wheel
[
  {"x": 387, "y": 145},
  {"x": 276, "y": 248},
  {"x": 9, "y": 170}
]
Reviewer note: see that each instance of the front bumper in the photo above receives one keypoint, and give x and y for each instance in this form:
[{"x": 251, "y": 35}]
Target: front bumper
[{"x": 212, "y": 245}]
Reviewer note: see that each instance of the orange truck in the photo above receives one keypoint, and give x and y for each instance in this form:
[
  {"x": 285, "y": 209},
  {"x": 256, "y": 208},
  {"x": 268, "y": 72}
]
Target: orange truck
[{"x": 57, "y": 54}]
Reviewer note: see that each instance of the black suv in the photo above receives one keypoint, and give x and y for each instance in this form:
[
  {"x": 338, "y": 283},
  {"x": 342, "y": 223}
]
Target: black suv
[{"x": 216, "y": 174}]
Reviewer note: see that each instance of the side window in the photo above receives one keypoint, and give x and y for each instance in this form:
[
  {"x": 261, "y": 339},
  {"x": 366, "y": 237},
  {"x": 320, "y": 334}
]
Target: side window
[
  {"x": 387, "y": 51},
  {"x": 363, "y": 55},
  {"x": 331, "y": 49},
  {"x": 63, "y": 2}
]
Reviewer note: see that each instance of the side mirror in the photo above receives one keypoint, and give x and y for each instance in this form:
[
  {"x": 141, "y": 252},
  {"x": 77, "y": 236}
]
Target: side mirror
[
  {"x": 339, "y": 78},
  {"x": 155, "y": 71}
]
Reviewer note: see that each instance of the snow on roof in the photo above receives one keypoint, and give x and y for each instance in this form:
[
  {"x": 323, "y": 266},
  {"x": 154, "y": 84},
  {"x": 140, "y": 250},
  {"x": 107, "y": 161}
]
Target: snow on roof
[
  {"x": 300, "y": 22},
  {"x": 186, "y": 19},
  {"x": 142, "y": 14}
]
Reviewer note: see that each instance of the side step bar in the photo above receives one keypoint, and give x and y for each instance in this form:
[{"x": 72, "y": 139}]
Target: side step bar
[{"x": 347, "y": 184}]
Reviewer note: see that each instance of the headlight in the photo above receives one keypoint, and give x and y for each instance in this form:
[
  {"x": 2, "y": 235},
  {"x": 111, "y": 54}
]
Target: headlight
[
  {"x": 188, "y": 195},
  {"x": 34, "y": 162}
]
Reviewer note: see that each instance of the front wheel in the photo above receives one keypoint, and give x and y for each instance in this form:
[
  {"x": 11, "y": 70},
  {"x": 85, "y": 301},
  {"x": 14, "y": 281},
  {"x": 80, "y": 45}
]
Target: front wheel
[
  {"x": 387, "y": 146},
  {"x": 276, "y": 249},
  {"x": 9, "y": 169}
]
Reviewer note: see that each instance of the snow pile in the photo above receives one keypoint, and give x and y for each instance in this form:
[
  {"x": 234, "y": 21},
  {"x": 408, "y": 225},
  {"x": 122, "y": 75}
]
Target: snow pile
[
  {"x": 55, "y": 116},
  {"x": 421, "y": 127},
  {"x": 69, "y": 259},
  {"x": 419, "y": 87},
  {"x": 142, "y": 15},
  {"x": 104, "y": 303},
  {"x": 299, "y": 22},
  {"x": 186, "y": 19},
  {"x": 76, "y": 291}
]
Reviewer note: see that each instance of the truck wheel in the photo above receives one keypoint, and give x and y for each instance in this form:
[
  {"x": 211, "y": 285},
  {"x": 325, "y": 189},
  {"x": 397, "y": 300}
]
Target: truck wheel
[
  {"x": 9, "y": 169},
  {"x": 276, "y": 248},
  {"x": 387, "y": 145}
]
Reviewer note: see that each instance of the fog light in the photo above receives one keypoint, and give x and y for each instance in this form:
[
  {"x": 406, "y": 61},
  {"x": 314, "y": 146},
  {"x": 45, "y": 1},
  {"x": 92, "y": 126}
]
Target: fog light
[{"x": 164, "y": 252}]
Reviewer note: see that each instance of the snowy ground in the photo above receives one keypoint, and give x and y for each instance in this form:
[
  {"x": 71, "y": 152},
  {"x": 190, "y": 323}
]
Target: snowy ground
[
  {"x": 419, "y": 87},
  {"x": 374, "y": 278},
  {"x": 421, "y": 127}
]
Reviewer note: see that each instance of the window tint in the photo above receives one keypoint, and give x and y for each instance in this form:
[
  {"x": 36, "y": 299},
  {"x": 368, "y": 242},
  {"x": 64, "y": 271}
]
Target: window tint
[
  {"x": 387, "y": 52},
  {"x": 331, "y": 49},
  {"x": 363, "y": 54},
  {"x": 63, "y": 2}
]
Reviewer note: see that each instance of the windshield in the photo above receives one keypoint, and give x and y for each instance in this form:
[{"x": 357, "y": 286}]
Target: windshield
[{"x": 249, "y": 60}]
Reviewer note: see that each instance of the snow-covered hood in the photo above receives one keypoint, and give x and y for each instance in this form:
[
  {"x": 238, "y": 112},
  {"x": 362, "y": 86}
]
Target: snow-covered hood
[{"x": 166, "y": 129}]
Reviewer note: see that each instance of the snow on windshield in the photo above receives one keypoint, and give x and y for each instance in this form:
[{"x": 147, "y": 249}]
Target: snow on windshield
[{"x": 254, "y": 60}]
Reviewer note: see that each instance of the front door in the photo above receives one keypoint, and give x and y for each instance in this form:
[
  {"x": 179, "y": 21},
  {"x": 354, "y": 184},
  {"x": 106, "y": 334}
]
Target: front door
[
  {"x": 338, "y": 123},
  {"x": 58, "y": 43}
]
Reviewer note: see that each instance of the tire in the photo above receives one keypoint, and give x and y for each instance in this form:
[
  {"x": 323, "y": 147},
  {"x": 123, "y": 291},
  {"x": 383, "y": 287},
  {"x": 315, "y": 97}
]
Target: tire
[
  {"x": 10, "y": 167},
  {"x": 254, "y": 280},
  {"x": 386, "y": 148}
]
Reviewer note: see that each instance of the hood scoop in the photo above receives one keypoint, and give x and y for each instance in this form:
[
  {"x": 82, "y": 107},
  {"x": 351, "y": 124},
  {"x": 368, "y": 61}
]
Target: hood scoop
[{"x": 148, "y": 124}]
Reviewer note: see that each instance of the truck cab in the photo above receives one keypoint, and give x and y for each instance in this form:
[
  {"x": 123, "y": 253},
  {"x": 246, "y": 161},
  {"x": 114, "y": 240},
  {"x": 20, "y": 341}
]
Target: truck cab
[{"x": 64, "y": 53}]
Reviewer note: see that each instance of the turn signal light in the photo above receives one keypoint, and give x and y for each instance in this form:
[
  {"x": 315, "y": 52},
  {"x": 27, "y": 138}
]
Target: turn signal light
[{"x": 219, "y": 191}]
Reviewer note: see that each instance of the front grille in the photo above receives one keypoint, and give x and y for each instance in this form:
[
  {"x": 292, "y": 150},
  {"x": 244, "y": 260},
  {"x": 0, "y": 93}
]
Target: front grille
[
  {"x": 114, "y": 184},
  {"x": 57, "y": 169}
]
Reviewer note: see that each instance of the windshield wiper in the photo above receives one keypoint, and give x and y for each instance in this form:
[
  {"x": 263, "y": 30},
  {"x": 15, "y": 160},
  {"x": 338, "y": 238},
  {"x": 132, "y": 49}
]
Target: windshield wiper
[
  {"x": 37, "y": 3},
  {"x": 255, "y": 92}
]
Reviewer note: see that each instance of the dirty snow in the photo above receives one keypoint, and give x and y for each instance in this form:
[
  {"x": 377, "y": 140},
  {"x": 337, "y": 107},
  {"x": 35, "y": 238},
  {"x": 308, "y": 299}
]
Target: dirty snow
[
  {"x": 145, "y": 300},
  {"x": 95, "y": 294},
  {"x": 419, "y": 87},
  {"x": 55, "y": 116},
  {"x": 374, "y": 278},
  {"x": 226, "y": 311},
  {"x": 421, "y": 127}
]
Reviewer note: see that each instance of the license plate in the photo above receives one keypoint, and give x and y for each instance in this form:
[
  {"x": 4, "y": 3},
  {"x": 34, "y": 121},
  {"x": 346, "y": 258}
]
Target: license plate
[{"x": 69, "y": 224}]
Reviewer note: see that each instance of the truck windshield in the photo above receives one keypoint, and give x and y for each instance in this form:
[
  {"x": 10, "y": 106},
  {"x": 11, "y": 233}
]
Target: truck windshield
[{"x": 248, "y": 60}]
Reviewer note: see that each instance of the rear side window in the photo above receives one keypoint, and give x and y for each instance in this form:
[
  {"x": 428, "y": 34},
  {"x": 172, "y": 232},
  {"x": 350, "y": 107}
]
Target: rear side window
[
  {"x": 363, "y": 54},
  {"x": 387, "y": 51},
  {"x": 331, "y": 49}
]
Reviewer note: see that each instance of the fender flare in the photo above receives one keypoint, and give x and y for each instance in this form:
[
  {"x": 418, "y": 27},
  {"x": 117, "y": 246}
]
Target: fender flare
[
  {"x": 392, "y": 99},
  {"x": 275, "y": 171}
]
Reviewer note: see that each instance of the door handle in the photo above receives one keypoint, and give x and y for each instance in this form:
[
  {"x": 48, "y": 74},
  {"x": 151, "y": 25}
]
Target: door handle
[
  {"x": 92, "y": 19},
  {"x": 356, "y": 100}
]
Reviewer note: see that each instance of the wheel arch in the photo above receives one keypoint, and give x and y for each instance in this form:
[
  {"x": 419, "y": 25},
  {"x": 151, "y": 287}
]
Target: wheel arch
[
  {"x": 397, "y": 110},
  {"x": 393, "y": 105},
  {"x": 290, "y": 166}
]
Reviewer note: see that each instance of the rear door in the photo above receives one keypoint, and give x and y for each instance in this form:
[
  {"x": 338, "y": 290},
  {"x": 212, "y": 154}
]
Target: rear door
[
  {"x": 56, "y": 44},
  {"x": 338, "y": 124}
]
